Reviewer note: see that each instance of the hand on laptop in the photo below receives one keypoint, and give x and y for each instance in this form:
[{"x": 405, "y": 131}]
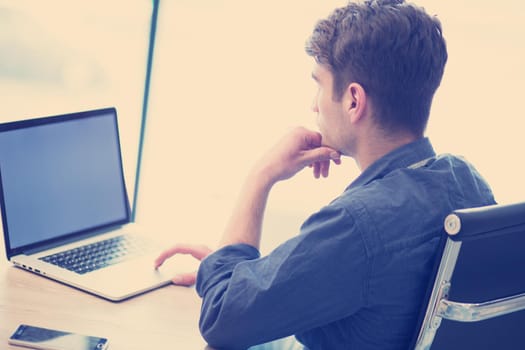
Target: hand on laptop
[{"x": 199, "y": 252}]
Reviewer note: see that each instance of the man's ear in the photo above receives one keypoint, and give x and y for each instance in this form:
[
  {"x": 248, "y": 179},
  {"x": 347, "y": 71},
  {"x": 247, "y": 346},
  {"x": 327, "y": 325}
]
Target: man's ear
[{"x": 355, "y": 102}]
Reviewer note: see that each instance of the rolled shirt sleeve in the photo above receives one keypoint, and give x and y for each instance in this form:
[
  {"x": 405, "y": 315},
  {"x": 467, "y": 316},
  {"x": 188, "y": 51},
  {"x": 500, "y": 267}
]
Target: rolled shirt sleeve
[{"x": 313, "y": 279}]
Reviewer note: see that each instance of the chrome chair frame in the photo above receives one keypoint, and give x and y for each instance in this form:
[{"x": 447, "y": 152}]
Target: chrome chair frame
[{"x": 465, "y": 224}]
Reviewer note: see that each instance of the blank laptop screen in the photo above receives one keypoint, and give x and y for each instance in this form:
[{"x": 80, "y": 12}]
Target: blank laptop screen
[{"x": 60, "y": 176}]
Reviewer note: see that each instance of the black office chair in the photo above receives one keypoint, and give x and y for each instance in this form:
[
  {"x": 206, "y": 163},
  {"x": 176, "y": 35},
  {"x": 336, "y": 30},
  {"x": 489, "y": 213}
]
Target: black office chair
[{"x": 478, "y": 296}]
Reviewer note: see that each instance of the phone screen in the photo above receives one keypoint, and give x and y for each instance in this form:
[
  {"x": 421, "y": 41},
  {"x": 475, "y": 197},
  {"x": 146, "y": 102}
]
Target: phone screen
[{"x": 50, "y": 339}]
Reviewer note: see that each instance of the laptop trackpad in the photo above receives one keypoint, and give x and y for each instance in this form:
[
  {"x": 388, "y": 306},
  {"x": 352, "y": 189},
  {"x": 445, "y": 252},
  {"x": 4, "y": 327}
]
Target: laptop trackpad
[{"x": 137, "y": 275}]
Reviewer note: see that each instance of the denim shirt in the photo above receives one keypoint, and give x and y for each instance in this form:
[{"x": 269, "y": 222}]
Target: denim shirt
[{"x": 356, "y": 274}]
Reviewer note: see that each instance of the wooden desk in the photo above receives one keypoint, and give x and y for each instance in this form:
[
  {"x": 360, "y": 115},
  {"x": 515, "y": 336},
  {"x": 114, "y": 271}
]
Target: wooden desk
[{"x": 166, "y": 318}]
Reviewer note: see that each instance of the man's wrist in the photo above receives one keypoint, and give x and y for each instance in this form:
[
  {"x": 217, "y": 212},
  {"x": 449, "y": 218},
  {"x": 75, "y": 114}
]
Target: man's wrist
[{"x": 263, "y": 177}]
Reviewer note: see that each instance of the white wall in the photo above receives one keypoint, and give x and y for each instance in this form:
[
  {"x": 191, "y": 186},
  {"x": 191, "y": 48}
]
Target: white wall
[{"x": 231, "y": 76}]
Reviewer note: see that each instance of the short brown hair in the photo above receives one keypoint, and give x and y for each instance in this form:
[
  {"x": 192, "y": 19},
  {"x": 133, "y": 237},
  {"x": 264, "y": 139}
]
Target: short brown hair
[{"x": 395, "y": 50}]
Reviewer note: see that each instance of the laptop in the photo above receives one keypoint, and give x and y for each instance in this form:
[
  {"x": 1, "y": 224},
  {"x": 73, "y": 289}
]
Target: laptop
[{"x": 65, "y": 208}]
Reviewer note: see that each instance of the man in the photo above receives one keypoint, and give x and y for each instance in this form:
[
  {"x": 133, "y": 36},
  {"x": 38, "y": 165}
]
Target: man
[{"x": 355, "y": 275}]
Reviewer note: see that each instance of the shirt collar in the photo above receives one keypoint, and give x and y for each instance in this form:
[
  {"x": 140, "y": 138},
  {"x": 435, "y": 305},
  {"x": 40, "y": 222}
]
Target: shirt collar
[{"x": 401, "y": 157}]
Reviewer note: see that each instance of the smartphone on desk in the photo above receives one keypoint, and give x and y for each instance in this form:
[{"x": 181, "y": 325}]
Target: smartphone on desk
[{"x": 51, "y": 339}]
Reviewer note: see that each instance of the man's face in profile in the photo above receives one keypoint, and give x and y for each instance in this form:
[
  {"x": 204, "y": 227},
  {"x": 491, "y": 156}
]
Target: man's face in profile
[{"x": 331, "y": 117}]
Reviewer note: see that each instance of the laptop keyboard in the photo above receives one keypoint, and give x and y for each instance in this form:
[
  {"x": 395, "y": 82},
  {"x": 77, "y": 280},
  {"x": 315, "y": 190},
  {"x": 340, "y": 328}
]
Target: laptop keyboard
[{"x": 98, "y": 255}]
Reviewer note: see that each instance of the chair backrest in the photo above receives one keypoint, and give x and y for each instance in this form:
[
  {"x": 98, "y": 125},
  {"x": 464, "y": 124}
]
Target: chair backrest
[{"x": 477, "y": 300}]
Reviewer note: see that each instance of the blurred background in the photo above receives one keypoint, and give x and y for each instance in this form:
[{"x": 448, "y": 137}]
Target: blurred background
[{"x": 229, "y": 78}]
